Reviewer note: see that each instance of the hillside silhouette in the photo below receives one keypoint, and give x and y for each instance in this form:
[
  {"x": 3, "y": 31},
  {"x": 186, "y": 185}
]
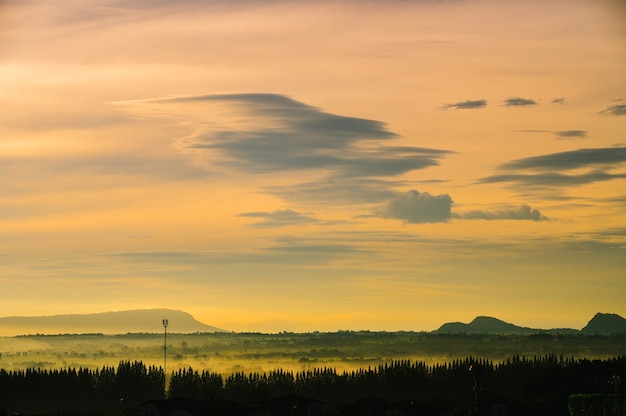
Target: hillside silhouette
[
  {"x": 606, "y": 323},
  {"x": 484, "y": 325},
  {"x": 150, "y": 321},
  {"x": 121, "y": 322}
]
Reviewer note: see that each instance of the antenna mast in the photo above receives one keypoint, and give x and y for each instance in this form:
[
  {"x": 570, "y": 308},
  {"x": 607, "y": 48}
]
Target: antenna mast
[{"x": 165, "y": 323}]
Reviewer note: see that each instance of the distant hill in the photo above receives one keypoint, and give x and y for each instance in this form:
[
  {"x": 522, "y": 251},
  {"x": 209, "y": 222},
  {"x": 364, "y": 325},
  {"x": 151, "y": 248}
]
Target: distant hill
[
  {"x": 484, "y": 325},
  {"x": 489, "y": 325},
  {"x": 143, "y": 320},
  {"x": 606, "y": 323}
]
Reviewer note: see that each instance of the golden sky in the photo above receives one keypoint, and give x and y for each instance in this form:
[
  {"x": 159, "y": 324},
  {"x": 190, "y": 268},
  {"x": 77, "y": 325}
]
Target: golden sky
[{"x": 306, "y": 165}]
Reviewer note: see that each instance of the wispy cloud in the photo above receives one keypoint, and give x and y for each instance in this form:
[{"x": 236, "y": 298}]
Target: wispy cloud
[
  {"x": 421, "y": 207},
  {"x": 463, "y": 105},
  {"x": 546, "y": 170},
  {"x": 280, "y": 218},
  {"x": 562, "y": 134},
  {"x": 574, "y": 159},
  {"x": 519, "y": 102},
  {"x": 523, "y": 212},
  {"x": 615, "y": 110},
  {"x": 560, "y": 100},
  {"x": 547, "y": 180},
  {"x": 285, "y": 135},
  {"x": 337, "y": 191},
  {"x": 347, "y": 158},
  {"x": 571, "y": 134}
]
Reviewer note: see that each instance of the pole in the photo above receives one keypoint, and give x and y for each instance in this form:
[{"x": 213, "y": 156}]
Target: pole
[{"x": 165, "y": 323}]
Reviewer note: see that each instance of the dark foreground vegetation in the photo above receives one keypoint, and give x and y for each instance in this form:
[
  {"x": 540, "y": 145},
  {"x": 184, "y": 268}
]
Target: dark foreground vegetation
[{"x": 540, "y": 385}]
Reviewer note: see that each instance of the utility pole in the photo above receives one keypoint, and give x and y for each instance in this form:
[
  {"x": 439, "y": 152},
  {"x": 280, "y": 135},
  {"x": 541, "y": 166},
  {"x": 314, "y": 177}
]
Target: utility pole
[{"x": 165, "y": 323}]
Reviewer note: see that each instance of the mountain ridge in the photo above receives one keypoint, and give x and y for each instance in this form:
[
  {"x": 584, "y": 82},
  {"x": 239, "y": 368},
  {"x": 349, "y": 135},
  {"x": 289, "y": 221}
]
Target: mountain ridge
[
  {"x": 115, "y": 322},
  {"x": 483, "y": 324},
  {"x": 150, "y": 321},
  {"x": 601, "y": 323}
]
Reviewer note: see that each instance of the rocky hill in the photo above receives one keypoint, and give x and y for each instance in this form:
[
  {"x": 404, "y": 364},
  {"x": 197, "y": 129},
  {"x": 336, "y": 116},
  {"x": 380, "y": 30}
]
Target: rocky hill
[
  {"x": 602, "y": 323},
  {"x": 484, "y": 325},
  {"x": 606, "y": 323},
  {"x": 135, "y": 321}
]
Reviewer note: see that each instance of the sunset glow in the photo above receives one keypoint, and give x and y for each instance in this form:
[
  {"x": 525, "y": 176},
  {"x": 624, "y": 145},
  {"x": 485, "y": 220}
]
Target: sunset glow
[{"x": 314, "y": 165}]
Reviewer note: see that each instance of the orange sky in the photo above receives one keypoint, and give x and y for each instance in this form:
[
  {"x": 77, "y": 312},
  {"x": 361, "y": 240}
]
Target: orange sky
[{"x": 314, "y": 165}]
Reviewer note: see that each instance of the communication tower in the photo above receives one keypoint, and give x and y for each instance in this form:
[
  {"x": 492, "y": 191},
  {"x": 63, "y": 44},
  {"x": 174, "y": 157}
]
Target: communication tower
[{"x": 165, "y": 323}]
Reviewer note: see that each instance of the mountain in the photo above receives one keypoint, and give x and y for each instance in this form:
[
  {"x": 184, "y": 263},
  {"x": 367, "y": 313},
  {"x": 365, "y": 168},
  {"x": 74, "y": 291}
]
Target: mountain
[
  {"x": 484, "y": 325},
  {"x": 603, "y": 323},
  {"x": 606, "y": 323},
  {"x": 122, "y": 322}
]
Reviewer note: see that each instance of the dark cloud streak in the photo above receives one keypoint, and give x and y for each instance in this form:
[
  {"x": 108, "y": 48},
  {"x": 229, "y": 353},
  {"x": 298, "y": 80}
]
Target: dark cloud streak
[
  {"x": 548, "y": 171},
  {"x": 464, "y": 105},
  {"x": 571, "y": 134},
  {"x": 615, "y": 110},
  {"x": 574, "y": 159},
  {"x": 523, "y": 212},
  {"x": 548, "y": 180},
  {"x": 519, "y": 102}
]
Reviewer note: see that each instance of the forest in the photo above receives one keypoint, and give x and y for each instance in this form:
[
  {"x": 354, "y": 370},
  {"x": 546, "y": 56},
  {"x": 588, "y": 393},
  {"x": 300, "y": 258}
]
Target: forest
[
  {"x": 542, "y": 374},
  {"x": 537, "y": 385}
]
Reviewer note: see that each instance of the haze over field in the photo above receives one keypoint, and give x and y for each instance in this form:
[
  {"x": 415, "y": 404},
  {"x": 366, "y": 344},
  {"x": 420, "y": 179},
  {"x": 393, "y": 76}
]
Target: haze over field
[{"x": 314, "y": 165}]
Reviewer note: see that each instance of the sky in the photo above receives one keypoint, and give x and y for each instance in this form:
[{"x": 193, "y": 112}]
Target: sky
[{"x": 271, "y": 165}]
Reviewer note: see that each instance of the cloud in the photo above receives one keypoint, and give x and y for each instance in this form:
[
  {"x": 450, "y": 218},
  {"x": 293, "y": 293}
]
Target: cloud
[
  {"x": 615, "y": 110},
  {"x": 304, "y": 135},
  {"x": 560, "y": 100},
  {"x": 337, "y": 191},
  {"x": 350, "y": 159},
  {"x": 574, "y": 159},
  {"x": 571, "y": 134},
  {"x": 469, "y": 104},
  {"x": 553, "y": 179},
  {"x": 519, "y": 102},
  {"x": 523, "y": 212},
  {"x": 416, "y": 207},
  {"x": 563, "y": 134},
  {"x": 281, "y": 134},
  {"x": 546, "y": 170},
  {"x": 279, "y": 218}
]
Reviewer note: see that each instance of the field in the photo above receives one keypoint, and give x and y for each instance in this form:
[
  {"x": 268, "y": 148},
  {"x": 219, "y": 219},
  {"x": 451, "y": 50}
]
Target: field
[{"x": 228, "y": 353}]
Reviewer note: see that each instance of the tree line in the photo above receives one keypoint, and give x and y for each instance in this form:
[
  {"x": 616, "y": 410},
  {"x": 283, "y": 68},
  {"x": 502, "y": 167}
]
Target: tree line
[
  {"x": 541, "y": 383},
  {"x": 101, "y": 391}
]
